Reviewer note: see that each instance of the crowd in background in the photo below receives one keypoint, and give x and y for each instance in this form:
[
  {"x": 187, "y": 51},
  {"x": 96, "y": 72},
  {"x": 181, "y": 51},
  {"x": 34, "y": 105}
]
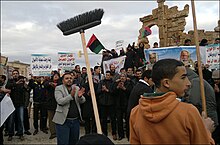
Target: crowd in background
[{"x": 116, "y": 94}]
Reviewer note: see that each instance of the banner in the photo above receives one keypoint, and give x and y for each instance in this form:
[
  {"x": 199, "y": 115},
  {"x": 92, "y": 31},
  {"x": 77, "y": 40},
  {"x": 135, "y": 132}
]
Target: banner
[
  {"x": 41, "y": 65},
  {"x": 118, "y": 62},
  {"x": 66, "y": 61},
  {"x": 213, "y": 56},
  {"x": 183, "y": 53}
]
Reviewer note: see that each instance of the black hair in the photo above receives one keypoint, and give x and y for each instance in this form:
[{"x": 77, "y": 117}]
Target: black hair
[
  {"x": 130, "y": 67},
  {"x": 217, "y": 39},
  {"x": 164, "y": 68},
  {"x": 96, "y": 67},
  {"x": 203, "y": 42},
  {"x": 68, "y": 73},
  {"x": 187, "y": 40},
  {"x": 147, "y": 74},
  {"x": 16, "y": 71},
  {"x": 155, "y": 43},
  {"x": 138, "y": 70},
  {"x": 55, "y": 73},
  {"x": 122, "y": 69},
  {"x": 3, "y": 77},
  {"x": 108, "y": 71},
  {"x": 84, "y": 67}
]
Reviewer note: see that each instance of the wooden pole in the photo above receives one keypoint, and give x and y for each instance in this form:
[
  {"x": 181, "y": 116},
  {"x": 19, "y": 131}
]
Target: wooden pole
[
  {"x": 95, "y": 108},
  {"x": 199, "y": 59}
]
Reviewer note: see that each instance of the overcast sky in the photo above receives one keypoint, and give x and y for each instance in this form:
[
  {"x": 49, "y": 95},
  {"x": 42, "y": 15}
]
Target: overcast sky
[{"x": 30, "y": 27}]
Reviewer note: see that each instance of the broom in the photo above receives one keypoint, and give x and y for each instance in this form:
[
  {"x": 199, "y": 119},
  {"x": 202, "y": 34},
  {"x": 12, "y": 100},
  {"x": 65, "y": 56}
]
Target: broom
[
  {"x": 199, "y": 60},
  {"x": 79, "y": 24}
]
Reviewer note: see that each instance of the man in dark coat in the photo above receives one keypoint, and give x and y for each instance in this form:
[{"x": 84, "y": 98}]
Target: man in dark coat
[
  {"x": 106, "y": 103},
  {"x": 18, "y": 88},
  {"x": 143, "y": 86},
  {"x": 122, "y": 90}
]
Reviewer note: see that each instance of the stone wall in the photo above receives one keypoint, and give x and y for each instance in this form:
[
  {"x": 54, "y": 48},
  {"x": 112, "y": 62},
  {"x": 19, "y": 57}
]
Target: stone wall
[{"x": 171, "y": 23}]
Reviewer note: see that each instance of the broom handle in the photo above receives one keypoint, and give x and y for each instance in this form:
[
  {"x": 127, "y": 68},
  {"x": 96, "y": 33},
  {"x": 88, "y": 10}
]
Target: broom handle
[
  {"x": 98, "y": 125},
  {"x": 199, "y": 60}
]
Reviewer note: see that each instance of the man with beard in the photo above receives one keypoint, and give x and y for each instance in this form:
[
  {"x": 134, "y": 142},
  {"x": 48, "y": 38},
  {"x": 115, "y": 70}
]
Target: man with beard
[
  {"x": 68, "y": 113},
  {"x": 114, "y": 75},
  {"x": 106, "y": 103}
]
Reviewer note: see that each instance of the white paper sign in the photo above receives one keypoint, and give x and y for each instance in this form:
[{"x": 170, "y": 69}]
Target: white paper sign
[
  {"x": 118, "y": 62},
  {"x": 7, "y": 108},
  {"x": 41, "y": 65},
  {"x": 66, "y": 60},
  {"x": 119, "y": 44}
]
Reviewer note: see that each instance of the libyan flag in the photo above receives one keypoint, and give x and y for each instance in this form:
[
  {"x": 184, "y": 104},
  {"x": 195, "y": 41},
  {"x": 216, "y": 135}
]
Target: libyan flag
[{"x": 95, "y": 45}]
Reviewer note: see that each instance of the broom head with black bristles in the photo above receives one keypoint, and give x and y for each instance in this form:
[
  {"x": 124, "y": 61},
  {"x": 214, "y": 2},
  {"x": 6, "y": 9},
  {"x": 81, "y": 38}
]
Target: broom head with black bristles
[{"x": 81, "y": 22}]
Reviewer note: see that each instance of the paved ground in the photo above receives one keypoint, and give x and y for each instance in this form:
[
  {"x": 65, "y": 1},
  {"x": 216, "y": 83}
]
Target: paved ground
[{"x": 42, "y": 138}]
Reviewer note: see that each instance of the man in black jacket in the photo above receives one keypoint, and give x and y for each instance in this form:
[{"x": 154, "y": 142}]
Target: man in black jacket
[
  {"x": 18, "y": 88},
  {"x": 143, "y": 86},
  {"x": 106, "y": 104},
  {"x": 39, "y": 97}
]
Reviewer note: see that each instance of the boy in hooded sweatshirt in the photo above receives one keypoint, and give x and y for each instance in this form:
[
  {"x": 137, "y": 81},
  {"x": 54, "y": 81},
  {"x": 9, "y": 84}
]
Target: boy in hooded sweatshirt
[{"x": 162, "y": 119}]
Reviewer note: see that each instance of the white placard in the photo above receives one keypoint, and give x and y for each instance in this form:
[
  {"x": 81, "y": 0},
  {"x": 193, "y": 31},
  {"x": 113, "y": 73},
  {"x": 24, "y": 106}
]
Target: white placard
[
  {"x": 7, "y": 108},
  {"x": 41, "y": 65}
]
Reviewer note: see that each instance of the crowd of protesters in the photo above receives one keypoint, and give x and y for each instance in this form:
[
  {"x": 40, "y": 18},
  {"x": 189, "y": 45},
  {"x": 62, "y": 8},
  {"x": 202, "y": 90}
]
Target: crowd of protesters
[{"x": 117, "y": 93}]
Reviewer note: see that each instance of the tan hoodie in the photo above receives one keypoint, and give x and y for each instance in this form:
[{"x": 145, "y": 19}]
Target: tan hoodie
[{"x": 165, "y": 120}]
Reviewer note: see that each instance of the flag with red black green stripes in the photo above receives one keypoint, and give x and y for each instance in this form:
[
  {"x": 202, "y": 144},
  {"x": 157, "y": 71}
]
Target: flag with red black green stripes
[{"x": 95, "y": 45}]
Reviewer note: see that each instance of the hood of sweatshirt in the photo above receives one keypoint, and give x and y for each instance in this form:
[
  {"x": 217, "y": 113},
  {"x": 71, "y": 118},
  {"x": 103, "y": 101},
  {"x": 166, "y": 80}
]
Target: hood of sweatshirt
[{"x": 155, "y": 107}]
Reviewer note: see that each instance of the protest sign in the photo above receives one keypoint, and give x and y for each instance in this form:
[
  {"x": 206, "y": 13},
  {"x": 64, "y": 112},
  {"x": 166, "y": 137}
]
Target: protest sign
[
  {"x": 119, "y": 44},
  {"x": 66, "y": 60},
  {"x": 213, "y": 56},
  {"x": 41, "y": 65},
  {"x": 118, "y": 62},
  {"x": 183, "y": 53}
]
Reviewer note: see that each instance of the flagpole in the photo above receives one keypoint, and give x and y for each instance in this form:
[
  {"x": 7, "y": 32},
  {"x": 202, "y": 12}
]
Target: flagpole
[{"x": 199, "y": 60}]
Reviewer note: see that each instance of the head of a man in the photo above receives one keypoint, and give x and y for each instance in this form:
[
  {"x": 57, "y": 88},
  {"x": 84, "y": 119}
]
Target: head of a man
[
  {"x": 77, "y": 68},
  {"x": 67, "y": 79},
  {"x": 112, "y": 68},
  {"x": 155, "y": 45},
  {"x": 84, "y": 70},
  {"x": 147, "y": 77},
  {"x": 184, "y": 55},
  {"x": 2, "y": 80},
  {"x": 107, "y": 75},
  {"x": 97, "y": 69},
  {"x": 170, "y": 75},
  {"x": 187, "y": 42},
  {"x": 130, "y": 71},
  {"x": 138, "y": 74},
  {"x": 217, "y": 41},
  {"x": 123, "y": 77},
  {"x": 152, "y": 58},
  {"x": 15, "y": 74}
]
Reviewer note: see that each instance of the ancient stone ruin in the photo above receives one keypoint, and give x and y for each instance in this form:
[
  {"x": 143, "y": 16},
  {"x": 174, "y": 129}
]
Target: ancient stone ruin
[{"x": 171, "y": 23}]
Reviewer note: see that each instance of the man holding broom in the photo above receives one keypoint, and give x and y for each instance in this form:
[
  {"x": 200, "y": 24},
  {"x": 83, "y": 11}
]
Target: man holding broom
[{"x": 160, "y": 118}]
